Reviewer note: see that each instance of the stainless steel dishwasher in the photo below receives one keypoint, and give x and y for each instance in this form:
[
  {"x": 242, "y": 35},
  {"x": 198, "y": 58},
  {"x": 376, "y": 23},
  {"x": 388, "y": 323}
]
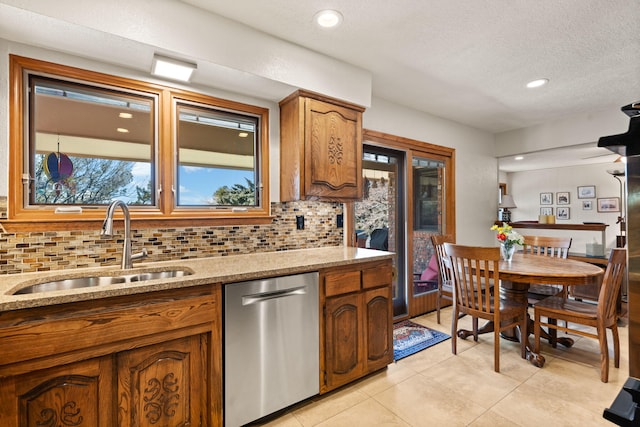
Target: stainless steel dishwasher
[{"x": 271, "y": 345}]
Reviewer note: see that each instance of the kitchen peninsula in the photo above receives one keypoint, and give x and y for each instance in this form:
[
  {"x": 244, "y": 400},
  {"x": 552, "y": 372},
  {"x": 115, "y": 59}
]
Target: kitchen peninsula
[{"x": 152, "y": 349}]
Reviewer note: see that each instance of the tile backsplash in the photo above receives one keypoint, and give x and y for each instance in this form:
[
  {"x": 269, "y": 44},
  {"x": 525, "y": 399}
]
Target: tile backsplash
[{"x": 57, "y": 250}]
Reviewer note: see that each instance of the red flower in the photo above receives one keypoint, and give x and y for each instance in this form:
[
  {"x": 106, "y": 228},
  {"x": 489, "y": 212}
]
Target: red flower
[{"x": 502, "y": 237}]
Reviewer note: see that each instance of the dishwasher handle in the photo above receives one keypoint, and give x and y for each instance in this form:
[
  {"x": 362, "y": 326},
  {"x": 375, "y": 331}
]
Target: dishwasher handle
[{"x": 265, "y": 296}]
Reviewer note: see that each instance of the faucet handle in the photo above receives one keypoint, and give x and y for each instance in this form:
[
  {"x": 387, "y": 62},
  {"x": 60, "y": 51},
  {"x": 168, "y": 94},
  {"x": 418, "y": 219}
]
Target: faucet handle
[{"x": 139, "y": 255}]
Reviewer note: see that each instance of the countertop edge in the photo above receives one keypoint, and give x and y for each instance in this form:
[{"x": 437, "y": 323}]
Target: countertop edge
[{"x": 221, "y": 269}]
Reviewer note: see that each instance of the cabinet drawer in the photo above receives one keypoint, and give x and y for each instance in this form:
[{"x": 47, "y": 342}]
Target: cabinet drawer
[
  {"x": 376, "y": 276},
  {"x": 341, "y": 283}
]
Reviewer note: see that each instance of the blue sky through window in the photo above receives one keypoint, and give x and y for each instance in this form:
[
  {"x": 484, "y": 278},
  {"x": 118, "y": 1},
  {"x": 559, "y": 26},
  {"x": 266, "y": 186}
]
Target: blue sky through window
[{"x": 197, "y": 184}]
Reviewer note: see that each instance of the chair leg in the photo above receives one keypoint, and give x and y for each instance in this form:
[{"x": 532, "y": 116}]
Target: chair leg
[
  {"x": 616, "y": 345},
  {"x": 565, "y": 296},
  {"x": 604, "y": 354},
  {"x": 553, "y": 333},
  {"x": 536, "y": 331},
  {"x": 438, "y": 298},
  {"x": 524, "y": 337},
  {"x": 475, "y": 329},
  {"x": 454, "y": 330},
  {"x": 496, "y": 348}
]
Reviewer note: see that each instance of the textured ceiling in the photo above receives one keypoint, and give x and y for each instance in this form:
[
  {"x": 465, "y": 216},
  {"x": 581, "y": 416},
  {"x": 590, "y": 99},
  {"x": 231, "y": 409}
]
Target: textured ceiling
[{"x": 469, "y": 61}]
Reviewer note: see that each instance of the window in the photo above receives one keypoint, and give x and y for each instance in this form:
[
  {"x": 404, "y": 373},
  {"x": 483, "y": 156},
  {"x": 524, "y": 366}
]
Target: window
[
  {"x": 80, "y": 139},
  {"x": 216, "y": 157},
  {"x": 428, "y": 189},
  {"x": 89, "y": 145}
]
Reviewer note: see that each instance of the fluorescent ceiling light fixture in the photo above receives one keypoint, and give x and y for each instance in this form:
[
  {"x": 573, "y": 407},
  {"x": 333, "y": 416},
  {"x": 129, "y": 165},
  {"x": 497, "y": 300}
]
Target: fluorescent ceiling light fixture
[
  {"x": 537, "y": 83},
  {"x": 122, "y": 130},
  {"x": 125, "y": 115},
  {"x": 171, "y": 68},
  {"x": 328, "y": 18},
  {"x": 518, "y": 158}
]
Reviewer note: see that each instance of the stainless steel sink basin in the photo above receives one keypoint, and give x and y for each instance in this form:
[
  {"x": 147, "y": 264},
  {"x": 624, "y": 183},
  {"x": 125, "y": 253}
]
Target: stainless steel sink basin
[
  {"x": 90, "y": 281},
  {"x": 79, "y": 282},
  {"x": 158, "y": 275}
]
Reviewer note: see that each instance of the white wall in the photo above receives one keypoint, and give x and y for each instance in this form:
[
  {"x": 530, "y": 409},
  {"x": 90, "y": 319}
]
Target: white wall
[
  {"x": 476, "y": 165},
  {"x": 525, "y": 187},
  {"x": 566, "y": 131}
]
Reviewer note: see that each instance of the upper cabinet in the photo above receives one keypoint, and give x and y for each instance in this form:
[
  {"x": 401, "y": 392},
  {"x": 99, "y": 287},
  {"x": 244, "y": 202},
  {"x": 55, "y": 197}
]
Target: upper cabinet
[{"x": 320, "y": 148}]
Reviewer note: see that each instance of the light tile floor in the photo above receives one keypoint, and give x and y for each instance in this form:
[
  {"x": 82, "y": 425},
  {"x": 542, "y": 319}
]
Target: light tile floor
[{"x": 436, "y": 388}]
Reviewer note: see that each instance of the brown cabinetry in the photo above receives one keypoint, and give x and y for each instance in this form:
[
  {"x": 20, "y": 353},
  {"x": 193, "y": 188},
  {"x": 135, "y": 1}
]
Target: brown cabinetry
[
  {"x": 358, "y": 323},
  {"x": 320, "y": 148},
  {"x": 163, "y": 384},
  {"x": 145, "y": 360},
  {"x": 76, "y": 394}
]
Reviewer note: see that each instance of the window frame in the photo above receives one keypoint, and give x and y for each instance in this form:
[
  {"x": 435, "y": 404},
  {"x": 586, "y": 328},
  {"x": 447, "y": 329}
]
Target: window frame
[
  {"x": 165, "y": 212},
  {"x": 189, "y": 101},
  {"x": 74, "y": 85}
]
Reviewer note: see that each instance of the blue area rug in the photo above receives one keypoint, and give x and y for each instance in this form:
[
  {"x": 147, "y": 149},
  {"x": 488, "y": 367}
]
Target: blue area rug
[{"x": 410, "y": 338}]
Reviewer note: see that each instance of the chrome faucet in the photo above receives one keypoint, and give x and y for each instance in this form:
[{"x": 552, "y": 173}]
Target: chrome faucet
[{"x": 107, "y": 230}]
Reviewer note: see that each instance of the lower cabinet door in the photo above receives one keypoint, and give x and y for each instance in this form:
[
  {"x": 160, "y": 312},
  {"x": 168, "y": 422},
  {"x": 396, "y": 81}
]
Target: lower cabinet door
[
  {"x": 378, "y": 323},
  {"x": 77, "y": 394},
  {"x": 163, "y": 384},
  {"x": 344, "y": 340}
]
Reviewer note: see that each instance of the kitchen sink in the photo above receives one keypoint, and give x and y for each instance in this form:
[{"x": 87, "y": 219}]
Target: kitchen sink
[
  {"x": 158, "y": 275},
  {"x": 79, "y": 282},
  {"x": 94, "y": 280}
]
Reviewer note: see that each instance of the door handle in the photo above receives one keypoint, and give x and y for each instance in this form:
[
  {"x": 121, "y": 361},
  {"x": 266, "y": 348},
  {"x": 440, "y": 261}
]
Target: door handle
[{"x": 265, "y": 296}]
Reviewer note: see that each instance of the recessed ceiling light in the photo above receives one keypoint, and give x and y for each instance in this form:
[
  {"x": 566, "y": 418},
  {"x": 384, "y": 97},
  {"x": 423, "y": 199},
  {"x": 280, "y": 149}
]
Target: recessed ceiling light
[
  {"x": 537, "y": 83},
  {"x": 518, "y": 158},
  {"x": 328, "y": 18},
  {"x": 123, "y": 130},
  {"x": 125, "y": 115},
  {"x": 170, "y": 68}
]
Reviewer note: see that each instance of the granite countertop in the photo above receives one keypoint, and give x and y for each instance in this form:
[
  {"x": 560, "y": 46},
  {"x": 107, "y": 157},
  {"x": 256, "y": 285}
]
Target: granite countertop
[{"x": 227, "y": 269}]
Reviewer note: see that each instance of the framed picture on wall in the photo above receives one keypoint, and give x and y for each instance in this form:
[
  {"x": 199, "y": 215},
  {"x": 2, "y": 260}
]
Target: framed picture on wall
[
  {"x": 587, "y": 192},
  {"x": 610, "y": 204},
  {"x": 562, "y": 213},
  {"x": 562, "y": 197},
  {"x": 546, "y": 198},
  {"x": 587, "y": 205},
  {"x": 546, "y": 211}
]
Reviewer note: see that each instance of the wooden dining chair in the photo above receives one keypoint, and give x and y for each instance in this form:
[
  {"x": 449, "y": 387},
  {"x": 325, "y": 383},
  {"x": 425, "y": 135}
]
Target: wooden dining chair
[
  {"x": 602, "y": 316},
  {"x": 475, "y": 271},
  {"x": 445, "y": 279},
  {"x": 546, "y": 246}
]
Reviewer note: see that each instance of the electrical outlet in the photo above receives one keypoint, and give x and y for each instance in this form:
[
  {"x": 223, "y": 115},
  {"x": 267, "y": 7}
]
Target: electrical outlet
[{"x": 300, "y": 222}]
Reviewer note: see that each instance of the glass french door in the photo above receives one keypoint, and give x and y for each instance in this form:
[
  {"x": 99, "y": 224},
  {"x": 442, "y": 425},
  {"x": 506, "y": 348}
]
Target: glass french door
[
  {"x": 429, "y": 217},
  {"x": 409, "y": 193},
  {"x": 379, "y": 219}
]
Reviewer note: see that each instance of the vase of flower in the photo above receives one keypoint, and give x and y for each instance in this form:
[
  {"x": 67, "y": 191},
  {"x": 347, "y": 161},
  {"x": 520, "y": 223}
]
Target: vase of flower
[
  {"x": 507, "y": 251},
  {"x": 508, "y": 240}
]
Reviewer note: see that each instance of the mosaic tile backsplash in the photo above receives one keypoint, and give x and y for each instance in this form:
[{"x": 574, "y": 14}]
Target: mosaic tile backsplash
[{"x": 44, "y": 251}]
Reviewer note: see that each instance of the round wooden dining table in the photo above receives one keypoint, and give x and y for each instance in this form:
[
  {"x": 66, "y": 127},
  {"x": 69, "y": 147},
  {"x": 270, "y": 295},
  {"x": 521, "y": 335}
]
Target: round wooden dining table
[{"x": 525, "y": 269}]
